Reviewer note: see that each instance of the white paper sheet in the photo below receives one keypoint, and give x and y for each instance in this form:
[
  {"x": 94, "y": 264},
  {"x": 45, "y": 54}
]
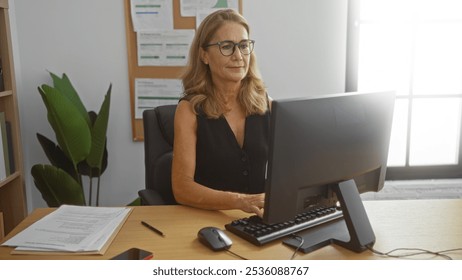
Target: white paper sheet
[
  {"x": 150, "y": 93},
  {"x": 148, "y": 15},
  {"x": 164, "y": 48},
  {"x": 188, "y": 8},
  {"x": 71, "y": 228}
]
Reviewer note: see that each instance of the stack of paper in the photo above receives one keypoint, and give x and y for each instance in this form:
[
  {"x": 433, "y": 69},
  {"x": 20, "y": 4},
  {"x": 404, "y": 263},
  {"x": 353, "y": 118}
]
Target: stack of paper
[{"x": 71, "y": 229}]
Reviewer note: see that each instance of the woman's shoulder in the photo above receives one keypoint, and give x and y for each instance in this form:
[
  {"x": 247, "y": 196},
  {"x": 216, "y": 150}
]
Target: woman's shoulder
[
  {"x": 193, "y": 102},
  {"x": 185, "y": 118},
  {"x": 186, "y": 97},
  {"x": 184, "y": 107}
]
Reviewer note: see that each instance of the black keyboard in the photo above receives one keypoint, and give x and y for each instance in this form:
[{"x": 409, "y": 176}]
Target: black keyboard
[{"x": 255, "y": 231}]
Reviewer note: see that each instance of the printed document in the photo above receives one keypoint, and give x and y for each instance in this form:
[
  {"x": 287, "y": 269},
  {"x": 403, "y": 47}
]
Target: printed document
[
  {"x": 148, "y": 15},
  {"x": 150, "y": 93},
  {"x": 188, "y": 8},
  {"x": 71, "y": 229},
  {"x": 165, "y": 48}
]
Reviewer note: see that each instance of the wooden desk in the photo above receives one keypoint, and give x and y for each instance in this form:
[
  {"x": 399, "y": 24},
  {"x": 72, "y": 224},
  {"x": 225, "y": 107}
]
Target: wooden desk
[{"x": 428, "y": 224}]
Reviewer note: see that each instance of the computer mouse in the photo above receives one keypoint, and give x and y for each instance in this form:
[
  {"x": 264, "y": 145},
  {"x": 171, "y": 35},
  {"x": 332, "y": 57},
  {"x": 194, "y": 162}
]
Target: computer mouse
[{"x": 214, "y": 238}]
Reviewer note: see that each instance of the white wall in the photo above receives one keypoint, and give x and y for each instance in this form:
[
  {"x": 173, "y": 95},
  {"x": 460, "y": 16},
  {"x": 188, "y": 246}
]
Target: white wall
[
  {"x": 300, "y": 48},
  {"x": 300, "y": 45}
]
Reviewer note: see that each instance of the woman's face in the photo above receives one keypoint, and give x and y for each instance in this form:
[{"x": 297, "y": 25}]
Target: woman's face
[{"x": 227, "y": 69}]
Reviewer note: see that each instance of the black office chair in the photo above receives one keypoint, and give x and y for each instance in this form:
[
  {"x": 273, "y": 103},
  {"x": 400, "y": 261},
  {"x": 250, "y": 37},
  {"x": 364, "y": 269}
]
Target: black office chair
[{"x": 158, "y": 155}]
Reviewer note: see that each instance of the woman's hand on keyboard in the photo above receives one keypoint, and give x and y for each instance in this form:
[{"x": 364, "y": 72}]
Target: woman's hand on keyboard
[{"x": 252, "y": 203}]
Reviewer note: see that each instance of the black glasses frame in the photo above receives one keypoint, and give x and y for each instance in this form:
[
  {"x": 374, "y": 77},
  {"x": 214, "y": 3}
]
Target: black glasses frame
[{"x": 238, "y": 44}]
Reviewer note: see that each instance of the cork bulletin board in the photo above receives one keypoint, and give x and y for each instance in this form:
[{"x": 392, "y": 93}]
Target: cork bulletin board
[{"x": 152, "y": 72}]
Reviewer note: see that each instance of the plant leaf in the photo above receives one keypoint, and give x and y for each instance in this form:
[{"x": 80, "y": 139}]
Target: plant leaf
[
  {"x": 98, "y": 133},
  {"x": 86, "y": 170},
  {"x": 83, "y": 167},
  {"x": 64, "y": 86},
  {"x": 93, "y": 116},
  {"x": 56, "y": 186},
  {"x": 56, "y": 156},
  {"x": 136, "y": 202},
  {"x": 71, "y": 129}
]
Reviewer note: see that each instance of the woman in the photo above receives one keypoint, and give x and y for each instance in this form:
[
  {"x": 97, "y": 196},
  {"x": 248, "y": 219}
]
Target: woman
[{"x": 222, "y": 122}]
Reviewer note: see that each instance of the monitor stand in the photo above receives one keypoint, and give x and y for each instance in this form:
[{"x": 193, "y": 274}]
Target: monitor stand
[{"x": 353, "y": 232}]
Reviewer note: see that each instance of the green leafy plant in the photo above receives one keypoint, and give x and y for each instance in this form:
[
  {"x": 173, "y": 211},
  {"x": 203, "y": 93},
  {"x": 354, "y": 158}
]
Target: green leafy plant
[{"x": 81, "y": 145}]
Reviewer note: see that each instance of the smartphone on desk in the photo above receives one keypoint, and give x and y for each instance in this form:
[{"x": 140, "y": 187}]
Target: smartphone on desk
[{"x": 134, "y": 254}]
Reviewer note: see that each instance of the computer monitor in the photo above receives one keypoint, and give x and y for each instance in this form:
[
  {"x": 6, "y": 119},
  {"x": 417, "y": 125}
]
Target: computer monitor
[{"x": 326, "y": 150}]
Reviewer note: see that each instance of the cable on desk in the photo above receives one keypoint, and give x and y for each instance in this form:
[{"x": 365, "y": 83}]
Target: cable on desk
[
  {"x": 299, "y": 246},
  {"x": 417, "y": 251},
  {"x": 236, "y": 255}
]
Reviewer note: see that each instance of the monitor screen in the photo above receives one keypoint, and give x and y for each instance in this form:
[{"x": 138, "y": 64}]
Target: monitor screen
[{"x": 318, "y": 142}]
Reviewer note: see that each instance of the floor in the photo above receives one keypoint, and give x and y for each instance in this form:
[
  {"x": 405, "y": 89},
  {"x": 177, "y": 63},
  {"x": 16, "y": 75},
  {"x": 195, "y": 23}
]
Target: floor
[{"x": 418, "y": 189}]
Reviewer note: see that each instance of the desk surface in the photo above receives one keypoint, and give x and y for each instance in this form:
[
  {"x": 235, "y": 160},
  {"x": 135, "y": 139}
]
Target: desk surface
[{"x": 427, "y": 224}]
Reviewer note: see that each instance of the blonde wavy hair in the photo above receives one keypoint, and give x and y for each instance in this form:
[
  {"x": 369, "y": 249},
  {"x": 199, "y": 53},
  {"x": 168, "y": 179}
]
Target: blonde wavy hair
[{"x": 197, "y": 79}]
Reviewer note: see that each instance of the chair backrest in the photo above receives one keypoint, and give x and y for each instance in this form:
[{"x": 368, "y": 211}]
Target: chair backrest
[{"x": 158, "y": 150}]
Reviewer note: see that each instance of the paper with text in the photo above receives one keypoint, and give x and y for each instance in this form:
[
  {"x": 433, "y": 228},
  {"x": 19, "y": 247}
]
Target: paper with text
[
  {"x": 71, "y": 228},
  {"x": 151, "y": 15},
  {"x": 164, "y": 48},
  {"x": 150, "y": 93},
  {"x": 188, "y": 8}
]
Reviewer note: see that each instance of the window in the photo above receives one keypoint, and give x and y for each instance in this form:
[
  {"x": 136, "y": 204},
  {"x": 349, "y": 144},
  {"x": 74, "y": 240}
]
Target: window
[{"x": 415, "y": 48}]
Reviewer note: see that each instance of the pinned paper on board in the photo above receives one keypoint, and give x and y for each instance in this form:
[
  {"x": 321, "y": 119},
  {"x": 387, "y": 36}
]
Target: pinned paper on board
[
  {"x": 189, "y": 8},
  {"x": 150, "y": 93},
  {"x": 149, "y": 15},
  {"x": 164, "y": 48}
]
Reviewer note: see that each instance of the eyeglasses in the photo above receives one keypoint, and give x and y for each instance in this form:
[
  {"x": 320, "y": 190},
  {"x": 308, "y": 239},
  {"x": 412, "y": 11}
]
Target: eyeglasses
[{"x": 227, "y": 47}]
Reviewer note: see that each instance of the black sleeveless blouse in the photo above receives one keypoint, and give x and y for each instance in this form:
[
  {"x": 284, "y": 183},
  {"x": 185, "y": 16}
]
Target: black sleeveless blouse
[{"x": 222, "y": 164}]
